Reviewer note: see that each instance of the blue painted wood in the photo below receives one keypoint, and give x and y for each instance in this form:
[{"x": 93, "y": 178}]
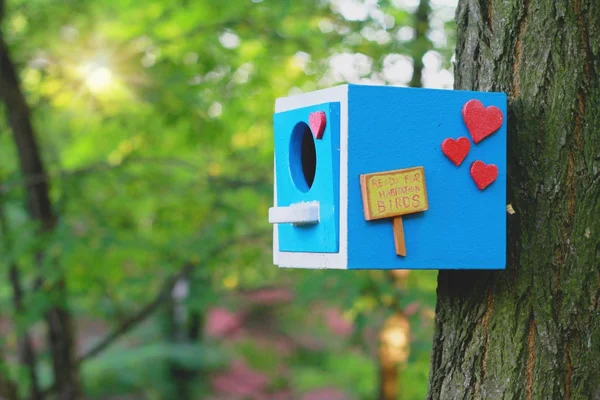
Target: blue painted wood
[
  {"x": 292, "y": 186},
  {"x": 464, "y": 228}
]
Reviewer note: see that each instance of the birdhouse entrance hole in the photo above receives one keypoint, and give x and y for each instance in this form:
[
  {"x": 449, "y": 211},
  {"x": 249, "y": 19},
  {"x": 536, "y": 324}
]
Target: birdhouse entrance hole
[{"x": 303, "y": 157}]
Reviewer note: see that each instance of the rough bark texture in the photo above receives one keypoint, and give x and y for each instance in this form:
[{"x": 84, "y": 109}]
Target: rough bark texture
[{"x": 533, "y": 330}]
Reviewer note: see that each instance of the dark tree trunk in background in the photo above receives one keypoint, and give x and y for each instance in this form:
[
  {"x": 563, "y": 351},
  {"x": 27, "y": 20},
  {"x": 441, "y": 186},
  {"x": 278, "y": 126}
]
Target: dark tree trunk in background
[
  {"x": 60, "y": 335},
  {"x": 27, "y": 355},
  {"x": 183, "y": 328},
  {"x": 8, "y": 389},
  {"x": 532, "y": 331},
  {"x": 394, "y": 348},
  {"x": 421, "y": 44}
]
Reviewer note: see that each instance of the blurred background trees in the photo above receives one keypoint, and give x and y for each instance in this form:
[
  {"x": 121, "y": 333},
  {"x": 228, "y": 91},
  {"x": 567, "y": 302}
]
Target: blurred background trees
[{"x": 135, "y": 175}]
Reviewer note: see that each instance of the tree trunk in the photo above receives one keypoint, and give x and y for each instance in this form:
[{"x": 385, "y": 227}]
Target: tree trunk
[
  {"x": 8, "y": 388},
  {"x": 421, "y": 44},
  {"x": 27, "y": 355},
  {"x": 394, "y": 349},
  {"x": 60, "y": 335},
  {"x": 533, "y": 330}
]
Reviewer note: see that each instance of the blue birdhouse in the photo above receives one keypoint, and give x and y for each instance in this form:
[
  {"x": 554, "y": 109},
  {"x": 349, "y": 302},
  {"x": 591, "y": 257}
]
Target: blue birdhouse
[{"x": 376, "y": 177}]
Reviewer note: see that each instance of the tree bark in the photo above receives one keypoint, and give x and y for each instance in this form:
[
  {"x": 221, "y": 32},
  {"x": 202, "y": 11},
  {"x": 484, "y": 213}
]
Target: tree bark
[
  {"x": 533, "y": 330},
  {"x": 60, "y": 335}
]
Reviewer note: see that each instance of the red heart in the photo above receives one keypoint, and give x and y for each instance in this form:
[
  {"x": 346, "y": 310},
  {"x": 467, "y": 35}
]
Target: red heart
[
  {"x": 456, "y": 150},
  {"x": 317, "y": 121},
  {"x": 483, "y": 174},
  {"x": 481, "y": 121}
]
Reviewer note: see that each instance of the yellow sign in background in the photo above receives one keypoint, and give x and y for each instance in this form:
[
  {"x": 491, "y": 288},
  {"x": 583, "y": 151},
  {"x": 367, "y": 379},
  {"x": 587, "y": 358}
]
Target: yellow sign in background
[{"x": 393, "y": 193}]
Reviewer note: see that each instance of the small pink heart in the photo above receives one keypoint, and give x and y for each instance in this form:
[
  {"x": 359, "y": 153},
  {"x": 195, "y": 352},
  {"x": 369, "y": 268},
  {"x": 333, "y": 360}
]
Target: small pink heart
[
  {"x": 483, "y": 174},
  {"x": 481, "y": 121},
  {"x": 317, "y": 121}
]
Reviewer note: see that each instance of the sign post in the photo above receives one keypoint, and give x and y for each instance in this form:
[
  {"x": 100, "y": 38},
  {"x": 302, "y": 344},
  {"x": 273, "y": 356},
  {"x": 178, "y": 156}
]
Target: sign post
[{"x": 391, "y": 194}]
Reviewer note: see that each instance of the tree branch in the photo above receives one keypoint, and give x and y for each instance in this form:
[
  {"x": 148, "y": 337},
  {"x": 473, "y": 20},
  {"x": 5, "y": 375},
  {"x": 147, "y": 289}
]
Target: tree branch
[
  {"x": 212, "y": 27},
  {"x": 134, "y": 320},
  {"x": 163, "y": 295}
]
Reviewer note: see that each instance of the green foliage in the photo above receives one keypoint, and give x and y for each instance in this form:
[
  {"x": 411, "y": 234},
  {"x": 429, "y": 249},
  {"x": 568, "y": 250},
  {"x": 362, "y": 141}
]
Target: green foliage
[
  {"x": 154, "y": 120},
  {"x": 354, "y": 373},
  {"x": 130, "y": 369}
]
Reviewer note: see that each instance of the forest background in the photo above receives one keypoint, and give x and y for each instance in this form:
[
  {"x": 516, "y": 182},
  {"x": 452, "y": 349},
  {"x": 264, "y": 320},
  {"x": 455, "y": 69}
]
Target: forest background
[{"x": 137, "y": 211}]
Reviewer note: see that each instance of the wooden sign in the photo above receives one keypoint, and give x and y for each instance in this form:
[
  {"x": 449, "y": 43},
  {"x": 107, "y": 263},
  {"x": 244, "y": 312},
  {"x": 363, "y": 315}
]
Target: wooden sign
[{"x": 391, "y": 194}]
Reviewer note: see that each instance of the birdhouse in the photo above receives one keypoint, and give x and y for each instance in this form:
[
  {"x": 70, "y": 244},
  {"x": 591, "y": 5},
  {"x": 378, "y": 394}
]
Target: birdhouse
[{"x": 376, "y": 177}]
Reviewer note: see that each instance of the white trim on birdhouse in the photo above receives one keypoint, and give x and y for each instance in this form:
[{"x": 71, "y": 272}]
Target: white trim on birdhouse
[{"x": 320, "y": 260}]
